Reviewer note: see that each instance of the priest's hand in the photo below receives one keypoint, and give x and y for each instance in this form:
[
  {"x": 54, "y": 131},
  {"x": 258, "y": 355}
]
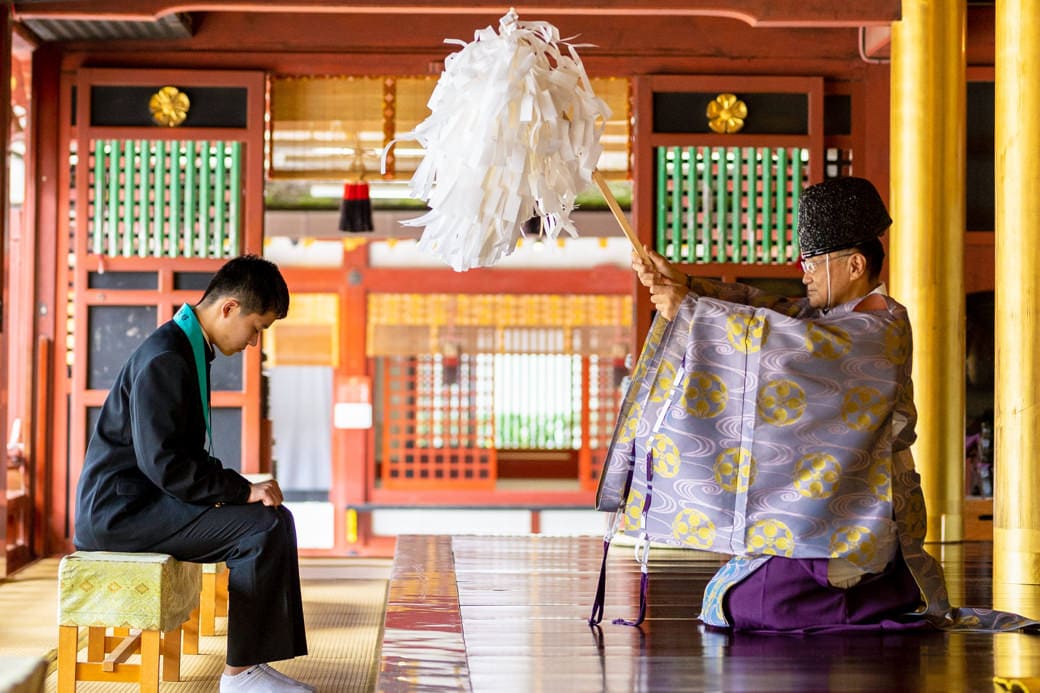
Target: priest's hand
[
  {"x": 666, "y": 297},
  {"x": 660, "y": 271}
]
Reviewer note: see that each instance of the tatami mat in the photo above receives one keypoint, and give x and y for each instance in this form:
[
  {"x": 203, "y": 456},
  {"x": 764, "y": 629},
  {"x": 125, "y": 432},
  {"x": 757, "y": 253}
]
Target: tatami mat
[{"x": 344, "y": 607}]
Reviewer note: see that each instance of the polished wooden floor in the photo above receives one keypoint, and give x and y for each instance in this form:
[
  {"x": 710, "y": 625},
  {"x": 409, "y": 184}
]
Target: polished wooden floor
[{"x": 510, "y": 614}]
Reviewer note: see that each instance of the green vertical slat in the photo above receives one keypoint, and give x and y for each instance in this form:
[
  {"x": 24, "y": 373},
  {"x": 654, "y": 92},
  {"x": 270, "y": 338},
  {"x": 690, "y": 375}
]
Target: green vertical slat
[
  {"x": 129, "y": 166},
  {"x": 203, "y": 213},
  {"x": 220, "y": 194},
  {"x": 112, "y": 213},
  {"x": 752, "y": 205},
  {"x": 190, "y": 215},
  {"x": 719, "y": 154},
  {"x": 734, "y": 205},
  {"x": 174, "y": 185},
  {"x": 781, "y": 206},
  {"x": 158, "y": 190},
  {"x": 662, "y": 206},
  {"x": 796, "y": 194},
  {"x": 96, "y": 233},
  {"x": 677, "y": 195},
  {"x": 690, "y": 227},
  {"x": 235, "y": 199},
  {"x": 706, "y": 202},
  {"x": 766, "y": 200},
  {"x": 144, "y": 149}
]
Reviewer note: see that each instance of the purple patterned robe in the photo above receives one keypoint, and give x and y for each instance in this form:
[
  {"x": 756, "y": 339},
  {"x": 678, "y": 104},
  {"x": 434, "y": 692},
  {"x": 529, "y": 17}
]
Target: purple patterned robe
[{"x": 758, "y": 426}]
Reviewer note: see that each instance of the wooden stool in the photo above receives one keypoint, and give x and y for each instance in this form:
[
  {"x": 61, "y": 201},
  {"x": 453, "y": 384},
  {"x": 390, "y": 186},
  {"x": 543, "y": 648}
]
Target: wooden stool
[
  {"x": 144, "y": 597},
  {"x": 214, "y": 597}
]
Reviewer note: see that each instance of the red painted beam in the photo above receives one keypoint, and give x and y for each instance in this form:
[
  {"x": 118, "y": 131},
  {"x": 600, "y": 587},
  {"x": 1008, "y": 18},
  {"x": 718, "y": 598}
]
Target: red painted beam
[{"x": 776, "y": 13}]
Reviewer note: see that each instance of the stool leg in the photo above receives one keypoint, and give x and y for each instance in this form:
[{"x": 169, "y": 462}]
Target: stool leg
[
  {"x": 222, "y": 592},
  {"x": 68, "y": 646},
  {"x": 150, "y": 661},
  {"x": 95, "y": 643},
  {"x": 208, "y": 604},
  {"x": 191, "y": 633},
  {"x": 171, "y": 655}
]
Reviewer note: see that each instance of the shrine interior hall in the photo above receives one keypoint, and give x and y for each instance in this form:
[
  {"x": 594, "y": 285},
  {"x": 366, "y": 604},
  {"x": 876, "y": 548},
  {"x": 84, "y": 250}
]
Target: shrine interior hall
[{"x": 439, "y": 435}]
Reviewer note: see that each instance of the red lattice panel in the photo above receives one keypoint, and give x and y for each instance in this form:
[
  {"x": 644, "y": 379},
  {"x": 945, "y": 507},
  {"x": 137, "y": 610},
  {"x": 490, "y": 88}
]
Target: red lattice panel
[
  {"x": 604, "y": 399},
  {"x": 438, "y": 430}
]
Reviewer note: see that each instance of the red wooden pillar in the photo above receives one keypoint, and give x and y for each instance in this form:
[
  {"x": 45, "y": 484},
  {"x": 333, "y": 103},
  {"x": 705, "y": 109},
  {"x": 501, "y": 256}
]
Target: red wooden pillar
[
  {"x": 5, "y": 302},
  {"x": 49, "y": 123},
  {"x": 353, "y": 459}
]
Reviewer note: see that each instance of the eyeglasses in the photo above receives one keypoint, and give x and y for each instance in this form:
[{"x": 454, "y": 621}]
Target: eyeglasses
[{"x": 809, "y": 266}]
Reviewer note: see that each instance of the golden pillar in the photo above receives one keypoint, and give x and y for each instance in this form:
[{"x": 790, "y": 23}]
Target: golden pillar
[
  {"x": 1016, "y": 526},
  {"x": 926, "y": 248}
]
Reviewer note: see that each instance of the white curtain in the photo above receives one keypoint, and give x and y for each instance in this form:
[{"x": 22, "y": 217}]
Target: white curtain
[{"x": 301, "y": 416}]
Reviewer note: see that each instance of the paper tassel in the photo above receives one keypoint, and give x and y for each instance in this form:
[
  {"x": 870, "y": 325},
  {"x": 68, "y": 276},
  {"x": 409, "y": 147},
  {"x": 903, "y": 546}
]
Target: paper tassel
[
  {"x": 355, "y": 209},
  {"x": 513, "y": 134}
]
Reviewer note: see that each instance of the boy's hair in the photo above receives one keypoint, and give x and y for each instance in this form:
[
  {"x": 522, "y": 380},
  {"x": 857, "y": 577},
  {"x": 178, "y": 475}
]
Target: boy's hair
[{"x": 254, "y": 282}]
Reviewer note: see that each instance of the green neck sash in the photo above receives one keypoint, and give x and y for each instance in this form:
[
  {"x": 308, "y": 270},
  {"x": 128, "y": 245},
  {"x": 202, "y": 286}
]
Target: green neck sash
[{"x": 186, "y": 320}]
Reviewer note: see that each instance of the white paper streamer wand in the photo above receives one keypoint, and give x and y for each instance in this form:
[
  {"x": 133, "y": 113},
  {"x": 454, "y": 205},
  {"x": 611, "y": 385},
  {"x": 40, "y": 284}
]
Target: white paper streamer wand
[{"x": 513, "y": 135}]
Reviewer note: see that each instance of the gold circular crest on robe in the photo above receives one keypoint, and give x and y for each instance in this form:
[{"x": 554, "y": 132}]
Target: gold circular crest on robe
[
  {"x": 816, "y": 475},
  {"x": 628, "y": 431},
  {"x": 770, "y": 537},
  {"x": 693, "y": 528},
  {"x": 897, "y": 342},
  {"x": 663, "y": 382},
  {"x": 781, "y": 402},
  {"x": 705, "y": 395},
  {"x": 745, "y": 332},
  {"x": 855, "y": 544},
  {"x": 666, "y": 455},
  {"x": 633, "y": 510},
  {"x": 735, "y": 469},
  {"x": 829, "y": 343},
  {"x": 862, "y": 408},
  {"x": 880, "y": 478}
]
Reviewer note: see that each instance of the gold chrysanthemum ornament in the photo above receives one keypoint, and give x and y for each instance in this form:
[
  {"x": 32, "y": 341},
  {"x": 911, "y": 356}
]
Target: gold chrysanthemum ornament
[
  {"x": 169, "y": 106},
  {"x": 726, "y": 114}
]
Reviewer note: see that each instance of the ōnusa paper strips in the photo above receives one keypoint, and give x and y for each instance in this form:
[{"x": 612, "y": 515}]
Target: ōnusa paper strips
[{"x": 513, "y": 135}]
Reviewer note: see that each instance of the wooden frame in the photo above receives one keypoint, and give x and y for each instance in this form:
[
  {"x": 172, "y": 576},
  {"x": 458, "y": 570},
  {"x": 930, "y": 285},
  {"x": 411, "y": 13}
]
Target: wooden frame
[
  {"x": 647, "y": 140},
  {"x": 254, "y": 458}
]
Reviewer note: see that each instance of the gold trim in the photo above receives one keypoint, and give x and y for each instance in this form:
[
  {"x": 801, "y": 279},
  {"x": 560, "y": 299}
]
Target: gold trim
[
  {"x": 169, "y": 107},
  {"x": 726, "y": 114}
]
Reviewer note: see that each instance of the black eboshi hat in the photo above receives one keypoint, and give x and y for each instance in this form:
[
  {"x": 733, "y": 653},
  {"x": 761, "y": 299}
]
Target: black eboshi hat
[{"x": 840, "y": 213}]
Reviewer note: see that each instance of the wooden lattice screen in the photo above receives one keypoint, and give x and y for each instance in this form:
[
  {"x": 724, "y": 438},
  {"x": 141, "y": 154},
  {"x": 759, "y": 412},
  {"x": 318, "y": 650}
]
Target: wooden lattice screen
[
  {"x": 463, "y": 376},
  {"x": 154, "y": 198},
  {"x": 438, "y": 426},
  {"x": 604, "y": 398},
  {"x": 729, "y": 204}
]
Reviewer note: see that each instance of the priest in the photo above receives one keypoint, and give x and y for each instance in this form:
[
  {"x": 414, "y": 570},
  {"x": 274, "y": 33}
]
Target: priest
[{"x": 778, "y": 431}]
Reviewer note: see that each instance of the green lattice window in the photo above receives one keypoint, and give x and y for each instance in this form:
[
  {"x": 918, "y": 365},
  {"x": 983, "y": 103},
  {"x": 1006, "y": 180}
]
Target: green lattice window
[
  {"x": 729, "y": 204},
  {"x": 151, "y": 198}
]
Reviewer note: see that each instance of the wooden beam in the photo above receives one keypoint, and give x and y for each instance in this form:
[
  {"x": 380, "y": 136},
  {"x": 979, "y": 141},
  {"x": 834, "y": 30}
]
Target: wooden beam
[
  {"x": 123, "y": 650},
  {"x": 777, "y": 13}
]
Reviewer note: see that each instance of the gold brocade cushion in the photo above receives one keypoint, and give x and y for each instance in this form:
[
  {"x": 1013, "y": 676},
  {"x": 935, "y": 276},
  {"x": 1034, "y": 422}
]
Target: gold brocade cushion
[{"x": 149, "y": 591}]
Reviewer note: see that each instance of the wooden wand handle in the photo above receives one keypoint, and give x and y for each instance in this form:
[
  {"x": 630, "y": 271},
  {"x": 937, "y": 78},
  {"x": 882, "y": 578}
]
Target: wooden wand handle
[{"x": 622, "y": 220}]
